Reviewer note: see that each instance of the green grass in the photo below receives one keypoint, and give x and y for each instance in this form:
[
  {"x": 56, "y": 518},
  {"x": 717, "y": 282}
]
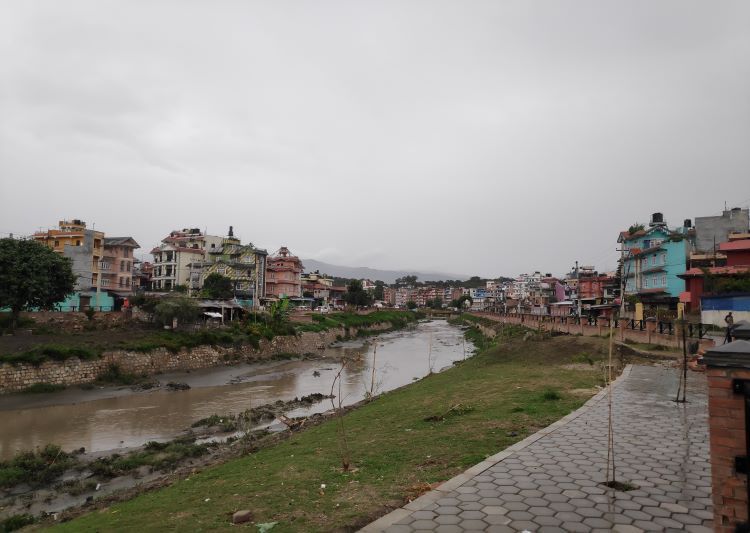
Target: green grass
[
  {"x": 49, "y": 352},
  {"x": 40, "y": 388},
  {"x": 420, "y": 434},
  {"x": 397, "y": 319}
]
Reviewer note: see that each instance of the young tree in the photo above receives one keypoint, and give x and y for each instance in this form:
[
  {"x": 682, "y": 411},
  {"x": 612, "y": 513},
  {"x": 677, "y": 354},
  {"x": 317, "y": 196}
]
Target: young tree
[
  {"x": 411, "y": 304},
  {"x": 218, "y": 286},
  {"x": 32, "y": 275}
]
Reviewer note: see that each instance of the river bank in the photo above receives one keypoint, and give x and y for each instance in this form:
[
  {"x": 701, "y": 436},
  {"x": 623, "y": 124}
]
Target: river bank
[
  {"x": 398, "y": 445},
  {"x": 79, "y": 359},
  {"x": 125, "y": 419}
]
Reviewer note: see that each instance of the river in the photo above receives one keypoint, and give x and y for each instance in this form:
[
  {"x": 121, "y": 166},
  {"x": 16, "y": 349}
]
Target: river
[{"x": 114, "y": 418}]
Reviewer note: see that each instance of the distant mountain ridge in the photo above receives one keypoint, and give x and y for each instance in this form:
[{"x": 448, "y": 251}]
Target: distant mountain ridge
[{"x": 389, "y": 276}]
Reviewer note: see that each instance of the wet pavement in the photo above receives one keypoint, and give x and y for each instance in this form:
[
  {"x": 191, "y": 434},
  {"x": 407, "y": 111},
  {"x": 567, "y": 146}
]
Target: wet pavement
[{"x": 552, "y": 481}]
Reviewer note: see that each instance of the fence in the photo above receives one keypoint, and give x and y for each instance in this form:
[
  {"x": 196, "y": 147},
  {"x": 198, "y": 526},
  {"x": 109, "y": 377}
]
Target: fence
[{"x": 648, "y": 331}]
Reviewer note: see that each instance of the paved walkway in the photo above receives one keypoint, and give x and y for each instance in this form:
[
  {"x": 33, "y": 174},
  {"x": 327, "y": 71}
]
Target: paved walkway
[{"x": 551, "y": 481}]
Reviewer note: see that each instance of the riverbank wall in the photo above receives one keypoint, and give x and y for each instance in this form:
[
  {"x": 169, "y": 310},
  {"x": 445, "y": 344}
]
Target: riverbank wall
[
  {"x": 648, "y": 335},
  {"x": 74, "y": 371}
]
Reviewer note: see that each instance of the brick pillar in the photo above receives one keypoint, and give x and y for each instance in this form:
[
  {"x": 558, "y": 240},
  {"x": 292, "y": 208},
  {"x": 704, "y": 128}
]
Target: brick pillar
[{"x": 727, "y": 366}]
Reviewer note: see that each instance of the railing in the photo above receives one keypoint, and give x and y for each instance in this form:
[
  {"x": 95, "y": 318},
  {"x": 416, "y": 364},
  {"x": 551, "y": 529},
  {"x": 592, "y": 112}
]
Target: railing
[
  {"x": 74, "y": 308},
  {"x": 663, "y": 327}
]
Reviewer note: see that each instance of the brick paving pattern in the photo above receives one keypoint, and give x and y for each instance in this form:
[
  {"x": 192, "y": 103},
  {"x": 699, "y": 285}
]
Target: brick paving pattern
[{"x": 552, "y": 480}]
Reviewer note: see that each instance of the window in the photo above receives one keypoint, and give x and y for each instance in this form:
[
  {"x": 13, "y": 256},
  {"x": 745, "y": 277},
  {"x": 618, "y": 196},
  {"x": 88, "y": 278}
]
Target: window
[
  {"x": 645, "y": 282},
  {"x": 664, "y": 280},
  {"x": 122, "y": 266},
  {"x": 663, "y": 259},
  {"x": 57, "y": 243},
  {"x": 653, "y": 259},
  {"x": 127, "y": 266},
  {"x": 78, "y": 242}
]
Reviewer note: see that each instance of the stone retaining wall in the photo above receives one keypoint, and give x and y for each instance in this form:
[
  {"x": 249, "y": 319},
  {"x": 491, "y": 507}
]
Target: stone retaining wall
[{"x": 75, "y": 371}]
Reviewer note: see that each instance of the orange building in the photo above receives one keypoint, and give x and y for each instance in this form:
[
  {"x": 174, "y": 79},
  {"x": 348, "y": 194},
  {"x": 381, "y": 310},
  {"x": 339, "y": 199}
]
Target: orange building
[{"x": 84, "y": 247}]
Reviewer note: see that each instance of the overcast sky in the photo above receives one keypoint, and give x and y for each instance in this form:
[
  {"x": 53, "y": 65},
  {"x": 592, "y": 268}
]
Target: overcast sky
[{"x": 486, "y": 138}]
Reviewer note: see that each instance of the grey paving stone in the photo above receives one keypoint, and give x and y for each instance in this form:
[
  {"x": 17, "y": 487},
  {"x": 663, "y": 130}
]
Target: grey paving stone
[
  {"x": 448, "y": 510},
  {"x": 547, "y": 521},
  {"x": 561, "y": 471},
  {"x": 472, "y": 515},
  {"x": 447, "y": 519},
  {"x": 473, "y": 525},
  {"x": 424, "y": 524}
]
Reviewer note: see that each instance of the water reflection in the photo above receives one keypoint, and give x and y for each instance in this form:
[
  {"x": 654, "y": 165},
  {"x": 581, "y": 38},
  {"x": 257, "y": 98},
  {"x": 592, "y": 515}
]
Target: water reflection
[{"x": 115, "y": 418}]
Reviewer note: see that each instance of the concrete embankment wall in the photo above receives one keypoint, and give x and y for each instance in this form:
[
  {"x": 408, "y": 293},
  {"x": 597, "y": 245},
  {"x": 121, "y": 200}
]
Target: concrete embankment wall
[
  {"x": 75, "y": 371},
  {"x": 648, "y": 336}
]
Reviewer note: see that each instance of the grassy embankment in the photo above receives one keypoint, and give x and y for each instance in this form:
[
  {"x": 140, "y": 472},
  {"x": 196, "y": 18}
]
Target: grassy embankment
[
  {"x": 399, "y": 444},
  {"x": 89, "y": 346}
]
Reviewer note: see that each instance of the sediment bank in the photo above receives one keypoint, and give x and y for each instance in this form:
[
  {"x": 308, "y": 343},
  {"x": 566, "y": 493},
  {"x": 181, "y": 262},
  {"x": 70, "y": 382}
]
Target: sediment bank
[{"x": 75, "y": 371}]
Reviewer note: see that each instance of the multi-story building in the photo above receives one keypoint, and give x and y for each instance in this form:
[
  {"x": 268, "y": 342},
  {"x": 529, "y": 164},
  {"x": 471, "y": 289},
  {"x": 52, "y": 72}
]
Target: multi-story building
[
  {"x": 142, "y": 272},
  {"x": 653, "y": 257},
  {"x": 173, "y": 257},
  {"x": 85, "y": 249},
  {"x": 117, "y": 265},
  {"x": 389, "y": 296},
  {"x": 244, "y": 265},
  {"x": 283, "y": 275},
  {"x": 715, "y": 280},
  {"x": 714, "y": 230},
  {"x": 317, "y": 286},
  {"x": 402, "y": 296}
]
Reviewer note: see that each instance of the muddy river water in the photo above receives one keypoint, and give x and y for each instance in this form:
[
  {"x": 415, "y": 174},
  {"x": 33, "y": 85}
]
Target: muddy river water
[{"x": 117, "y": 417}]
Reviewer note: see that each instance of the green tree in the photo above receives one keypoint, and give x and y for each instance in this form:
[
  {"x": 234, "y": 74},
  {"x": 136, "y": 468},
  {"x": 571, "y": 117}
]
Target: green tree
[
  {"x": 184, "y": 309},
  {"x": 406, "y": 281},
  {"x": 437, "y": 303},
  {"x": 379, "y": 292},
  {"x": 218, "y": 286},
  {"x": 32, "y": 276},
  {"x": 411, "y": 304},
  {"x": 356, "y": 295},
  {"x": 461, "y": 302}
]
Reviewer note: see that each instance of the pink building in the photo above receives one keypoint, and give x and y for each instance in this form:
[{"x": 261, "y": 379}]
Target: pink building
[
  {"x": 116, "y": 266},
  {"x": 283, "y": 275}
]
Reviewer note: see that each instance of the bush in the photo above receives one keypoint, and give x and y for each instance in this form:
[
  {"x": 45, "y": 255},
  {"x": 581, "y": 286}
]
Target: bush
[
  {"x": 185, "y": 310},
  {"x": 15, "y": 522},
  {"x": 35, "y": 467}
]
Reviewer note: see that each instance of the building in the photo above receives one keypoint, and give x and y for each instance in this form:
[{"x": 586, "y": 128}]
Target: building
[
  {"x": 142, "y": 273},
  {"x": 714, "y": 230},
  {"x": 316, "y": 285},
  {"x": 175, "y": 254},
  {"x": 85, "y": 249},
  {"x": 719, "y": 282},
  {"x": 283, "y": 275},
  {"x": 243, "y": 264},
  {"x": 653, "y": 258},
  {"x": 117, "y": 265}
]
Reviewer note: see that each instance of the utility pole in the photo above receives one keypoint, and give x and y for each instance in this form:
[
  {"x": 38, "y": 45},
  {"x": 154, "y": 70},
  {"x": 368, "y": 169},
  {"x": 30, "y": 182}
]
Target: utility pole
[
  {"x": 578, "y": 291},
  {"x": 622, "y": 281}
]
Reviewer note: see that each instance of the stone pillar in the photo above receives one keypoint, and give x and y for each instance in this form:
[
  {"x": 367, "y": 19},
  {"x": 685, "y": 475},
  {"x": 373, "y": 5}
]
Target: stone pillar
[{"x": 728, "y": 372}]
